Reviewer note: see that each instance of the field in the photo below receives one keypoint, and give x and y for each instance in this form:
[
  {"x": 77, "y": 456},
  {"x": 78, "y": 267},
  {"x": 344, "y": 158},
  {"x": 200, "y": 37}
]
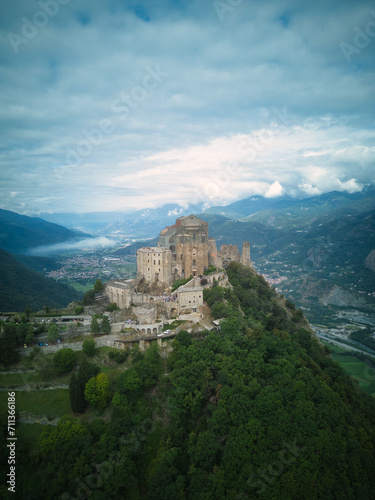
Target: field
[
  {"x": 361, "y": 371},
  {"x": 51, "y": 403}
]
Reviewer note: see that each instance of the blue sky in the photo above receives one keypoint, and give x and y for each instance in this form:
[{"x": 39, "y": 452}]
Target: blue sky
[{"x": 124, "y": 105}]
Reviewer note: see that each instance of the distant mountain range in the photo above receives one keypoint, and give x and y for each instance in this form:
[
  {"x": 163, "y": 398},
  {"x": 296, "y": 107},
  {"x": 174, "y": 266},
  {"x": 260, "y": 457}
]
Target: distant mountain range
[
  {"x": 134, "y": 225},
  {"x": 21, "y": 287},
  {"x": 20, "y": 233}
]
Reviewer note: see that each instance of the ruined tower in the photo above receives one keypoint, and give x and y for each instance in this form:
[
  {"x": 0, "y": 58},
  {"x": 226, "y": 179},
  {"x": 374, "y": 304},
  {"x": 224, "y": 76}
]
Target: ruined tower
[{"x": 245, "y": 255}]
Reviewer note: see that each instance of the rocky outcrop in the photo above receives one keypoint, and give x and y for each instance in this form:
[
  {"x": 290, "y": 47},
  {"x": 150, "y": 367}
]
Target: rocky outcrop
[
  {"x": 370, "y": 261},
  {"x": 342, "y": 298}
]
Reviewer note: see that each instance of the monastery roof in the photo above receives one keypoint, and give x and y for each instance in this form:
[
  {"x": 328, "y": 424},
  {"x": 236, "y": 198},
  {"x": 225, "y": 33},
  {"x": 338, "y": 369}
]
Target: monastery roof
[
  {"x": 153, "y": 250},
  {"x": 120, "y": 284},
  {"x": 190, "y": 219},
  {"x": 190, "y": 289}
]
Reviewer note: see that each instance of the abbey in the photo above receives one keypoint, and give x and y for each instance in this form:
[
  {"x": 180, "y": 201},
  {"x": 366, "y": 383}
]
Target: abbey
[{"x": 184, "y": 250}]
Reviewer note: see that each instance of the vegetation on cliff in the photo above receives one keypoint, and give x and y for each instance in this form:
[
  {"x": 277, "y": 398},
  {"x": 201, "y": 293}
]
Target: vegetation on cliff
[{"x": 21, "y": 288}]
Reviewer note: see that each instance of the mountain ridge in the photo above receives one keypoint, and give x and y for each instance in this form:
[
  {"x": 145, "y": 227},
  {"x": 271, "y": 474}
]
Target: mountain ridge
[{"x": 19, "y": 233}]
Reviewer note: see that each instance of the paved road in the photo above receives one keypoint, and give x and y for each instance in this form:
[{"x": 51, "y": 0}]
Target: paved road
[
  {"x": 106, "y": 340},
  {"x": 345, "y": 346}
]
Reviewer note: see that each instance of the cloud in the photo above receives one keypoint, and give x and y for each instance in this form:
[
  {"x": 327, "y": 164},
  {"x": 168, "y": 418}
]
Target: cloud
[
  {"x": 84, "y": 125},
  {"x": 86, "y": 244},
  {"x": 269, "y": 161},
  {"x": 274, "y": 190}
]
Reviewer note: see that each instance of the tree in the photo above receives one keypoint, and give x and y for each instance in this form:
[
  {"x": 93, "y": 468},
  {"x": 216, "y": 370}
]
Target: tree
[
  {"x": 77, "y": 400},
  {"x": 89, "y": 347},
  {"x": 60, "y": 443},
  {"x": 112, "y": 307},
  {"x": 183, "y": 338},
  {"x": 52, "y": 332},
  {"x": 79, "y": 310},
  {"x": 86, "y": 371},
  {"x": 64, "y": 360},
  {"x": 98, "y": 287},
  {"x": 98, "y": 391},
  {"x": 106, "y": 325},
  {"x": 88, "y": 297},
  {"x": 8, "y": 353},
  {"x": 27, "y": 313},
  {"x": 94, "y": 326},
  {"x": 29, "y": 338}
]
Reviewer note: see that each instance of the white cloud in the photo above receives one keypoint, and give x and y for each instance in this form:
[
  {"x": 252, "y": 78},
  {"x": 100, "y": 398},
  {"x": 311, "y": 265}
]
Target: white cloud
[
  {"x": 86, "y": 244},
  {"x": 222, "y": 100},
  {"x": 274, "y": 190}
]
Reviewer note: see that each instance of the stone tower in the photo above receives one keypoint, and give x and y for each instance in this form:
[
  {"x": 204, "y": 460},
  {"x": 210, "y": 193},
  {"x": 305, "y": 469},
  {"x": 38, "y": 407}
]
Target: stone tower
[
  {"x": 245, "y": 256},
  {"x": 187, "y": 240},
  {"x": 154, "y": 264}
]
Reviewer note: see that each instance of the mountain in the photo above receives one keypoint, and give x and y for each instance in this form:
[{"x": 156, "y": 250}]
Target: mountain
[
  {"x": 128, "y": 226},
  {"x": 21, "y": 287},
  {"x": 149, "y": 222},
  {"x": 263, "y": 208},
  {"x": 19, "y": 233},
  {"x": 91, "y": 222},
  {"x": 307, "y": 211},
  {"x": 40, "y": 265},
  {"x": 319, "y": 250},
  {"x": 252, "y": 205}
]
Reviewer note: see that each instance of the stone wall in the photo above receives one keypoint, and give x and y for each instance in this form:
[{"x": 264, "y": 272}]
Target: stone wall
[
  {"x": 145, "y": 314},
  {"x": 190, "y": 298},
  {"x": 154, "y": 264},
  {"x": 119, "y": 292},
  {"x": 228, "y": 254}
]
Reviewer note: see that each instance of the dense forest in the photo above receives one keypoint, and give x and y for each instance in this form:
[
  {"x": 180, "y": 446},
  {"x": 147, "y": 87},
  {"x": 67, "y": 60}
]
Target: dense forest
[
  {"x": 22, "y": 287},
  {"x": 255, "y": 410}
]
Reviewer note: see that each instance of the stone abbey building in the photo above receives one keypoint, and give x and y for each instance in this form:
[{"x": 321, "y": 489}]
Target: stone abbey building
[{"x": 184, "y": 250}]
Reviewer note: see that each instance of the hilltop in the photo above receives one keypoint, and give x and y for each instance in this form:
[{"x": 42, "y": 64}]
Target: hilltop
[{"x": 257, "y": 409}]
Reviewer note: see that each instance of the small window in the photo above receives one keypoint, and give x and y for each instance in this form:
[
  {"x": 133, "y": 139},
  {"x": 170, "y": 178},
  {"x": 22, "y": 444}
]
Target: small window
[
  {"x": 193, "y": 262},
  {"x": 159, "y": 262}
]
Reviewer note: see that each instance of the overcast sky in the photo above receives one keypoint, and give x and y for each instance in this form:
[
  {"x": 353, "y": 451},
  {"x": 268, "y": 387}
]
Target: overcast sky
[{"x": 114, "y": 105}]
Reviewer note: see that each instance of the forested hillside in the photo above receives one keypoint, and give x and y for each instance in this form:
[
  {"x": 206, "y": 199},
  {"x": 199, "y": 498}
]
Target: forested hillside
[
  {"x": 19, "y": 233},
  {"x": 21, "y": 287},
  {"x": 256, "y": 410}
]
